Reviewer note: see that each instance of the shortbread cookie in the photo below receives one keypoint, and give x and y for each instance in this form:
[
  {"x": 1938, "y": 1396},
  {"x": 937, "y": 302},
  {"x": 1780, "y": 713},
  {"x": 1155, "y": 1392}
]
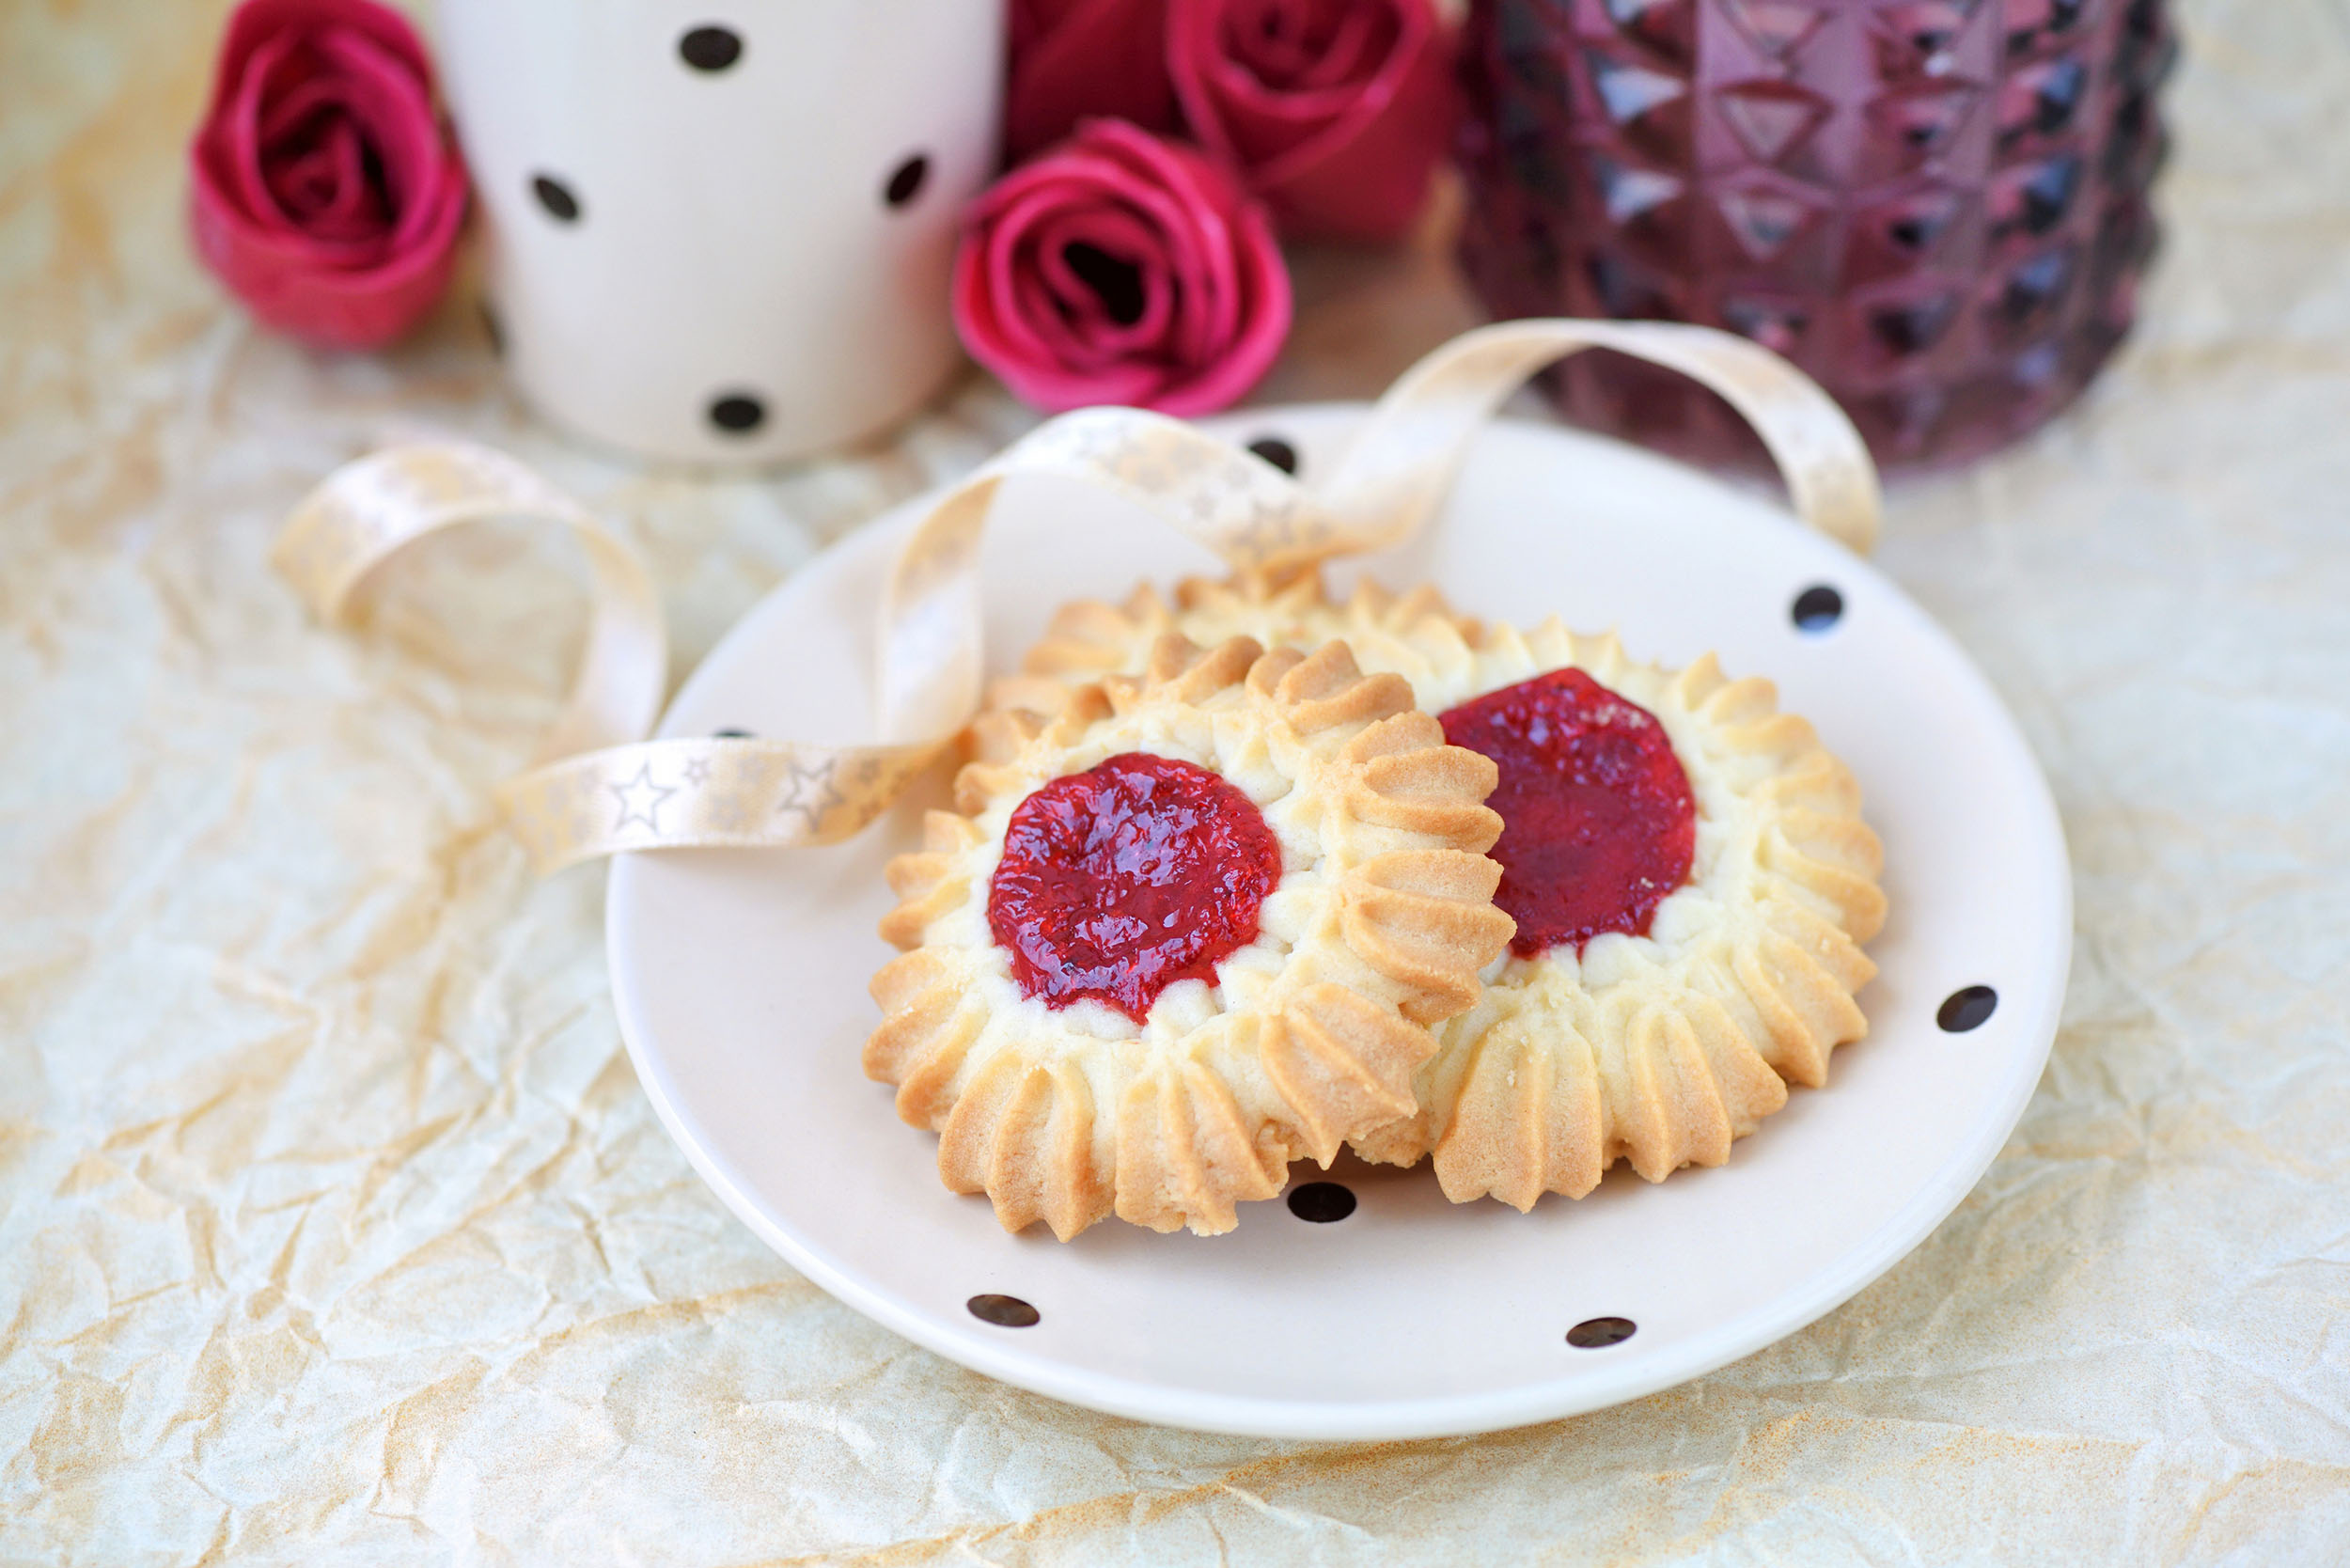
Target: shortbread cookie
[
  {"x": 1194, "y": 926},
  {"x": 1686, "y": 866}
]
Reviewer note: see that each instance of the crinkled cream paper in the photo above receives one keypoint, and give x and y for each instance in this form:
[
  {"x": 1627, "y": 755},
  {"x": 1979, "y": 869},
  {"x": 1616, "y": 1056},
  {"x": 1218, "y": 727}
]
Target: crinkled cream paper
[{"x": 333, "y": 1227}]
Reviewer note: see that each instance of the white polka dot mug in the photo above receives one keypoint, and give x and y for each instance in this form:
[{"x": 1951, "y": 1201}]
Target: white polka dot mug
[{"x": 722, "y": 232}]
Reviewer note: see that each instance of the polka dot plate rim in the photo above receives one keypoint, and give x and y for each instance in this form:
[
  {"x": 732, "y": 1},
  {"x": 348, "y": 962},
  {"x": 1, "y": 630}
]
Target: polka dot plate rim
[{"x": 739, "y": 980}]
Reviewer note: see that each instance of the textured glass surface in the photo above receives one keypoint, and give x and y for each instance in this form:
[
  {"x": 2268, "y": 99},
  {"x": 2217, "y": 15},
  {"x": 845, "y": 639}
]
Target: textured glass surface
[{"x": 1937, "y": 206}]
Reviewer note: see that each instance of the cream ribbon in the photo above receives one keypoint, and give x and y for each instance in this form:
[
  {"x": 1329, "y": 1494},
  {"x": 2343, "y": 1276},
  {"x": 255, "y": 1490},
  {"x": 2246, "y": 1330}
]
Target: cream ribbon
[{"x": 598, "y": 789}]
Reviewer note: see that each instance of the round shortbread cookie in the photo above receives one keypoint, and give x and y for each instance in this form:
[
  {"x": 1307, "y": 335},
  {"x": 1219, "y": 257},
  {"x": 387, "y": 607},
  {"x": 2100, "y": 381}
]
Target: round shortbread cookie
[{"x": 1193, "y": 925}]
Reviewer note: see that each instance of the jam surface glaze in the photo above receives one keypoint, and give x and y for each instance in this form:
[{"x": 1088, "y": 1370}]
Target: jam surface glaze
[
  {"x": 1118, "y": 881},
  {"x": 1598, "y": 824}
]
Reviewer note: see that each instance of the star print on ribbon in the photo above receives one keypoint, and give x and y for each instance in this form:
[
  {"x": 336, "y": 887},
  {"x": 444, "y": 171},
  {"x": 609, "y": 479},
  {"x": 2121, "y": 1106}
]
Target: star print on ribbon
[
  {"x": 599, "y": 789},
  {"x": 640, "y": 799}
]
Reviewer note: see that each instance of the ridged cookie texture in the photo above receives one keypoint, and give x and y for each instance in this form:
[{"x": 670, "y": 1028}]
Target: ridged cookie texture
[
  {"x": 1088, "y": 639},
  {"x": 1310, "y": 1035},
  {"x": 1659, "y": 1049}
]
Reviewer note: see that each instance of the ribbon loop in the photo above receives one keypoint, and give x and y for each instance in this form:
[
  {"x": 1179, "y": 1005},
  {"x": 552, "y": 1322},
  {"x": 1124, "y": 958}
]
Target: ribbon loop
[
  {"x": 368, "y": 509},
  {"x": 1403, "y": 461},
  {"x": 599, "y": 790},
  {"x": 1238, "y": 505}
]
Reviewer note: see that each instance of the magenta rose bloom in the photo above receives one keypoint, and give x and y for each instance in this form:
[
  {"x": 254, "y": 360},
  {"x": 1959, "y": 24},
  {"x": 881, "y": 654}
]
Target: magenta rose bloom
[
  {"x": 1120, "y": 268},
  {"x": 328, "y": 191},
  {"x": 1076, "y": 60},
  {"x": 1337, "y": 111}
]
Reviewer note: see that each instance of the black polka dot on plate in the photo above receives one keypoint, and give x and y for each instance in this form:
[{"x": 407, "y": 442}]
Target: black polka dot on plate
[
  {"x": 561, "y": 204},
  {"x": 1599, "y": 1333},
  {"x": 907, "y": 180},
  {"x": 1276, "y": 451},
  {"x": 1969, "y": 1009},
  {"x": 1817, "y": 608},
  {"x": 730, "y": 734},
  {"x": 737, "y": 413},
  {"x": 711, "y": 47},
  {"x": 1003, "y": 1312},
  {"x": 1322, "y": 1202}
]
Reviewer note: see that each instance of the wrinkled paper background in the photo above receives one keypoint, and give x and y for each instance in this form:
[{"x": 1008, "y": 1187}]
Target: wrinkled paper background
[{"x": 334, "y": 1225}]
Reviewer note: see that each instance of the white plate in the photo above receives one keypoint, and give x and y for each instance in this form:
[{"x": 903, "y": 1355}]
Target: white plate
[{"x": 739, "y": 977}]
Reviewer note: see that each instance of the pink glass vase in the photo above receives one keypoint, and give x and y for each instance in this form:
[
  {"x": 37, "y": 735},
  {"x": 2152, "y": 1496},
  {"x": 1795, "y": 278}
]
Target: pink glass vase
[{"x": 1937, "y": 208}]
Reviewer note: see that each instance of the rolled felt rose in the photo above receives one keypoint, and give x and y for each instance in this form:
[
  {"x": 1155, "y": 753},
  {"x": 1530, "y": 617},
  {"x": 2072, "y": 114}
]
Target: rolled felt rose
[
  {"x": 1120, "y": 268},
  {"x": 1074, "y": 59},
  {"x": 1335, "y": 110},
  {"x": 328, "y": 191}
]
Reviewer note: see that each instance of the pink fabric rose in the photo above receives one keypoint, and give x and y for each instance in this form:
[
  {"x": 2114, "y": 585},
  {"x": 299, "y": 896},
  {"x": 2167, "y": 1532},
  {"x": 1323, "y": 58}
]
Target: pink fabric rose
[
  {"x": 328, "y": 193},
  {"x": 1337, "y": 111},
  {"x": 1121, "y": 269},
  {"x": 1075, "y": 60}
]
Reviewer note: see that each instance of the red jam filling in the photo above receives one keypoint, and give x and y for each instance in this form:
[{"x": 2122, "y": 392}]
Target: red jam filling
[
  {"x": 1118, "y": 881},
  {"x": 1597, "y": 823}
]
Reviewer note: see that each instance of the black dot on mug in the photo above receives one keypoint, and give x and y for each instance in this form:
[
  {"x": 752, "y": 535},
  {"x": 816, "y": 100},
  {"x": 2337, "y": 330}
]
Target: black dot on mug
[
  {"x": 1276, "y": 451},
  {"x": 711, "y": 47},
  {"x": 1322, "y": 1202},
  {"x": 737, "y": 413},
  {"x": 1818, "y": 607},
  {"x": 907, "y": 180},
  {"x": 730, "y": 734},
  {"x": 1003, "y": 1312},
  {"x": 555, "y": 196},
  {"x": 1970, "y": 1009},
  {"x": 1599, "y": 1333}
]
